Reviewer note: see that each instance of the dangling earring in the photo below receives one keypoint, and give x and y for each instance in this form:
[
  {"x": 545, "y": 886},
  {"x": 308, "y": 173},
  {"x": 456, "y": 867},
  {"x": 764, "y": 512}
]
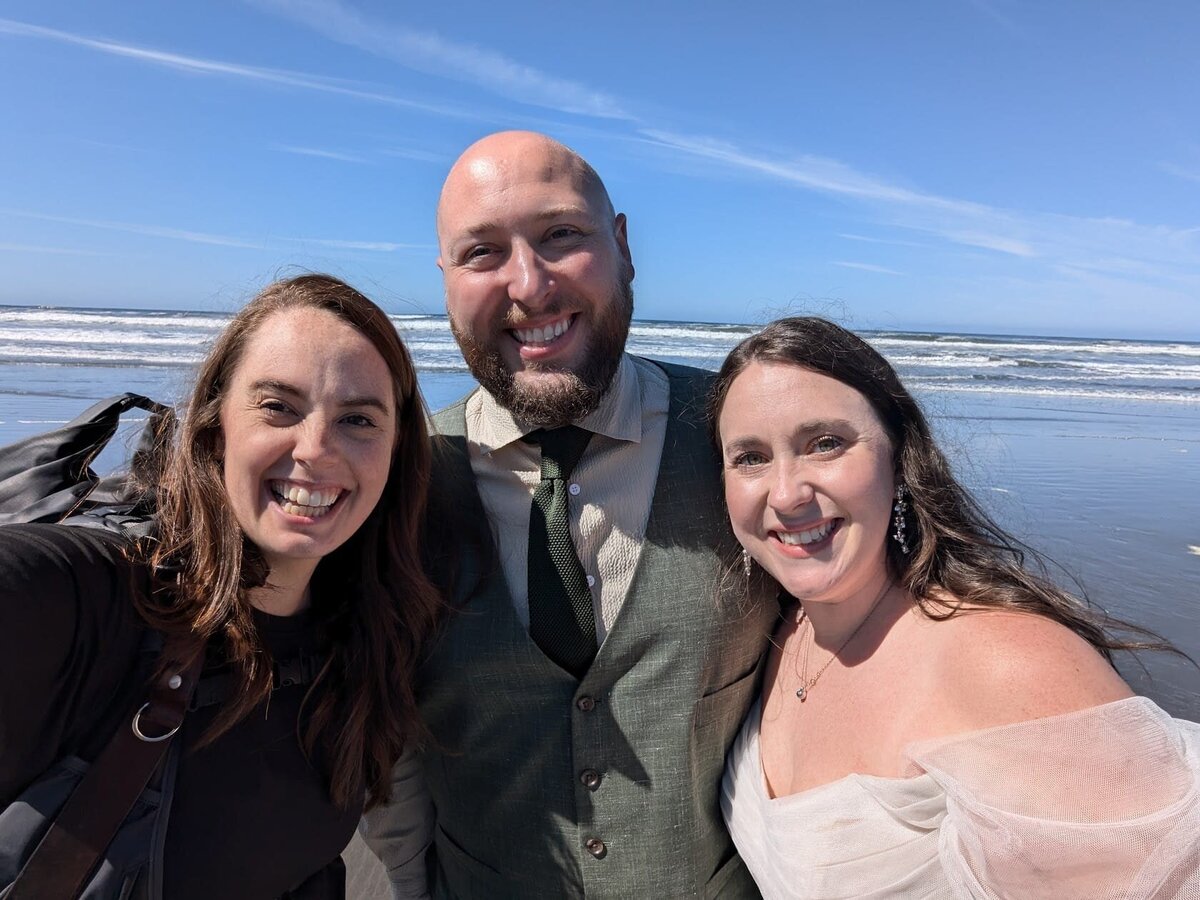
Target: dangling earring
[
  {"x": 747, "y": 562},
  {"x": 900, "y": 510}
]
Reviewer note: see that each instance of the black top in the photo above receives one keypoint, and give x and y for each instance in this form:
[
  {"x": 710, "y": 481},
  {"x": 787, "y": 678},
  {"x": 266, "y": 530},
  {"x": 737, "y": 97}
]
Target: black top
[{"x": 251, "y": 817}]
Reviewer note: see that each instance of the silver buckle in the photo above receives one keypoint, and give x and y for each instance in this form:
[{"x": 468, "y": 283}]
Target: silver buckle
[{"x": 147, "y": 738}]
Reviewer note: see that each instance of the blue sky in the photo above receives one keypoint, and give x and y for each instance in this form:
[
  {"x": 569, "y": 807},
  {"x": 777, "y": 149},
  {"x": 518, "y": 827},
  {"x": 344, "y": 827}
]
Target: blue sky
[{"x": 988, "y": 165}]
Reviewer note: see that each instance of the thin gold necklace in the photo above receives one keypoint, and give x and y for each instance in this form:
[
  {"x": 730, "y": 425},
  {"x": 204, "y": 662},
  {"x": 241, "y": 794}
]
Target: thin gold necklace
[{"x": 806, "y": 683}]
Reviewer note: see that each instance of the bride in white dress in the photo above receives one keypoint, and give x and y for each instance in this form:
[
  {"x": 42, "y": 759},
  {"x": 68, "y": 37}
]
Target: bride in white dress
[{"x": 935, "y": 721}]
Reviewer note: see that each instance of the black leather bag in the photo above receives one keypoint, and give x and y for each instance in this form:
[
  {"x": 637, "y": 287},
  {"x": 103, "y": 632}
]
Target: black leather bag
[
  {"x": 48, "y": 477},
  {"x": 80, "y": 830}
]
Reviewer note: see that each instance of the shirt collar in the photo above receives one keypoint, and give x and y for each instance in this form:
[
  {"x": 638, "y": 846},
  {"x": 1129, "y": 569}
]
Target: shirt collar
[{"x": 619, "y": 415}]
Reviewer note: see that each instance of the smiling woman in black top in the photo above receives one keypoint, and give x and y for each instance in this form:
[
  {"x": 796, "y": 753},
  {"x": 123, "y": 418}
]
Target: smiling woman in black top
[{"x": 289, "y": 528}]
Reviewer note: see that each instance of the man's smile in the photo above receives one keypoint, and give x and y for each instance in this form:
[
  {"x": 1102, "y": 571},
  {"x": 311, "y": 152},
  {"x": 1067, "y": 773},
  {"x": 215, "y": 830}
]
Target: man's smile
[{"x": 544, "y": 334}]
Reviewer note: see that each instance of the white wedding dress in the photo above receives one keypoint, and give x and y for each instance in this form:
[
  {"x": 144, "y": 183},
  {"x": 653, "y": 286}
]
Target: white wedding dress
[{"x": 1101, "y": 803}]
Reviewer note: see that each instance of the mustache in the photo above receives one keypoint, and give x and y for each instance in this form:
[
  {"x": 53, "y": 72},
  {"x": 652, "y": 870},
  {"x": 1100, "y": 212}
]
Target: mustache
[{"x": 514, "y": 318}]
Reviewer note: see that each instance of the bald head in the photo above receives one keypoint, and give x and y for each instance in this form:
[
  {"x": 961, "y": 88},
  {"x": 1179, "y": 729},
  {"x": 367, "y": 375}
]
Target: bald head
[
  {"x": 507, "y": 158},
  {"x": 538, "y": 275}
]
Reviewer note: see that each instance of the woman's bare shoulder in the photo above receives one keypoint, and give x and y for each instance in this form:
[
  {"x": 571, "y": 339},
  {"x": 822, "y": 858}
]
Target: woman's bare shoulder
[{"x": 995, "y": 667}]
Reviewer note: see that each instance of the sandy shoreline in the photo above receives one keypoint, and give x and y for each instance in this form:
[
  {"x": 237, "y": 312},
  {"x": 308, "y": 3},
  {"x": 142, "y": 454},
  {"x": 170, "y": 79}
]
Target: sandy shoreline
[{"x": 1110, "y": 492}]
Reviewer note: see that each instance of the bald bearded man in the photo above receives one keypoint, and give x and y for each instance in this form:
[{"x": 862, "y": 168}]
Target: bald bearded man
[{"x": 586, "y": 764}]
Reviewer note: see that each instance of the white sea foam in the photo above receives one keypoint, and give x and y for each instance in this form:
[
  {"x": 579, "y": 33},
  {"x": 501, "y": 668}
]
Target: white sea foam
[
  {"x": 420, "y": 323},
  {"x": 950, "y": 362},
  {"x": 1109, "y": 369},
  {"x": 95, "y": 355},
  {"x": 100, "y": 338},
  {"x": 421, "y": 346},
  {"x": 918, "y": 384},
  {"x": 88, "y": 318},
  {"x": 730, "y": 334},
  {"x": 1033, "y": 345},
  {"x": 1057, "y": 369}
]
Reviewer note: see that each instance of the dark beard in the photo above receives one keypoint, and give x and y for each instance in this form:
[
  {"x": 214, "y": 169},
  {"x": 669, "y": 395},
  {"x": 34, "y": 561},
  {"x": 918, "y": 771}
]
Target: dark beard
[{"x": 577, "y": 392}]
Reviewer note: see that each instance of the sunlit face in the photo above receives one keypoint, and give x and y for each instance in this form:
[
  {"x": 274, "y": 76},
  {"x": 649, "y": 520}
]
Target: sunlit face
[
  {"x": 308, "y": 426},
  {"x": 808, "y": 480},
  {"x": 537, "y": 274}
]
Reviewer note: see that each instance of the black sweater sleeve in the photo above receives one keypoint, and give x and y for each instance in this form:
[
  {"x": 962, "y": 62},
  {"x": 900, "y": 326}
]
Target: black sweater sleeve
[{"x": 69, "y": 639}]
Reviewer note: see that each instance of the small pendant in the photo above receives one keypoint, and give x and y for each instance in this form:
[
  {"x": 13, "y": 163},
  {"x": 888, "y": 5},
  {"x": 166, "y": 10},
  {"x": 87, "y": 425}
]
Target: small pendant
[{"x": 802, "y": 693}]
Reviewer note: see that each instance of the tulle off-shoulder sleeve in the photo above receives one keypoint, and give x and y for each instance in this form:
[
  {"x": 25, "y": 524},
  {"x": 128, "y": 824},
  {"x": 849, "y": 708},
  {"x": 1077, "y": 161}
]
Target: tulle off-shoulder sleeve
[{"x": 1101, "y": 803}]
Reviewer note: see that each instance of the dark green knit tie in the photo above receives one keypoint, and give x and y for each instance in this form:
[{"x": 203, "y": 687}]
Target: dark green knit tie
[{"x": 561, "y": 620}]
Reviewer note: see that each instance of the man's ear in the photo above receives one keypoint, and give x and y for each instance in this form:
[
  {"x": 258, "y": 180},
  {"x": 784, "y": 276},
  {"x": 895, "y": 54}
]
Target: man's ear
[{"x": 621, "y": 233}]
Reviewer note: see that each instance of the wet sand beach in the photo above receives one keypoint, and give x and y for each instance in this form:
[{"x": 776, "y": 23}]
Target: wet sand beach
[{"x": 1110, "y": 492}]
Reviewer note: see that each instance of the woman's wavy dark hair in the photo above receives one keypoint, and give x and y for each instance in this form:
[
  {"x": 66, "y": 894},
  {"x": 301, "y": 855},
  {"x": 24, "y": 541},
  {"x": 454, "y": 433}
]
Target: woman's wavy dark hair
[
  {"x": 959, "y": 557},
  {"x": 374, "y": 604}
]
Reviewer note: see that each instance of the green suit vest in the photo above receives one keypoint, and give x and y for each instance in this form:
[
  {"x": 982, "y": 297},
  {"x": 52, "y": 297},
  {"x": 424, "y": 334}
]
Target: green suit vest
[{"x": 548, "y": 787}]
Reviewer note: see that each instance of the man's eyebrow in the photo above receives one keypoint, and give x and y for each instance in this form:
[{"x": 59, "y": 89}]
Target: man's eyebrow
[
  {"x": 474, "y": 231},
  {"x": 565, "y": 211},
  {"x": 553, "y": 212},
  {"x": 282, "y": 387}
]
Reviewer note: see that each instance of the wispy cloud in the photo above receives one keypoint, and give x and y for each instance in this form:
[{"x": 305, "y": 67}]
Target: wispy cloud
[
  {"x": 200, "y": 66},
  {"x": 418, "y": 155},
  {"x": 1180, "y": 171},
  {"x": 373, "y": 246},
  {"x": 63, "y": 251},
  {"x": 220, "y": 240},
  {"x": 108, "y": 145},
  {"x": 895, "y": 242},
  {"x": 175, "y": 234},
  {"x": 428, "y": 52},
  {"x": 813, "y": 172},
  {"x": 322, "y": 154},
  {"x": 995, "y": 242},
  {"x": 866, "y": 267},
  {"x": 1074, "y": 242},
  {"x": 989, "y": 10},
  {"x": 829, "y": 176}
]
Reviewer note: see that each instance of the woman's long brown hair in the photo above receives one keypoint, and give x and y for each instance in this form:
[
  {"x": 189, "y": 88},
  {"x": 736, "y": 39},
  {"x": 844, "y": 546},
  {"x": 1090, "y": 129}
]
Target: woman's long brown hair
[
  {"x": 374, "y": 603},
  {"x": 959, "y": 557}
]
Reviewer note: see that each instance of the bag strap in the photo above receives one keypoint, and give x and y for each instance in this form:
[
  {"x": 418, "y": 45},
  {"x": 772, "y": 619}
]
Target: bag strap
[{"x": 78, "y": 837}]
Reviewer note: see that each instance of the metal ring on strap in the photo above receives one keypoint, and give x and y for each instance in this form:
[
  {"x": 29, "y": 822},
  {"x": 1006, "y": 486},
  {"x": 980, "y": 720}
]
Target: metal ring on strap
[{"x": 147, "y": 738}]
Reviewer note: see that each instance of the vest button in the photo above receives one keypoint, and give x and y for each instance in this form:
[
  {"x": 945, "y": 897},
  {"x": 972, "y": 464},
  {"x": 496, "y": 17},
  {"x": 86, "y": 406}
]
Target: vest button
[
  {"x": 590, "y": 779},
  {"x": 585, "y": 704},
  {"x": 597, "y": 848}
]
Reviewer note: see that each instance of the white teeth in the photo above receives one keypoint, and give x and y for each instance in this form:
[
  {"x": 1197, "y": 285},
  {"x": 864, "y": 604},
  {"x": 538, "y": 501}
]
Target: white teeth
[
  {"x": 300, "y": 501},
  {"x": 542, "y": 335},
  {"x": 805, "y": 537}
]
